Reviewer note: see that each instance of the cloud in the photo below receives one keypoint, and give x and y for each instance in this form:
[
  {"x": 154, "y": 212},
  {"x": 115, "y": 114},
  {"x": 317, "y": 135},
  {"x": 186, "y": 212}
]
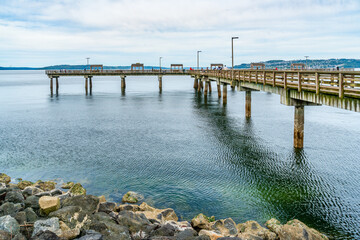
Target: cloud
[{"x": 120, "y": 32}]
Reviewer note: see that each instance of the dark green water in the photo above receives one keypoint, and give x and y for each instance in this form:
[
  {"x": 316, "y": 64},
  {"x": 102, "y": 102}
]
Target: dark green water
[{"x": 183, "y": 152}]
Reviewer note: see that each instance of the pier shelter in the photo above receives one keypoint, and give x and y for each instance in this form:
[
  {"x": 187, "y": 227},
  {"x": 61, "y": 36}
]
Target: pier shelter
[
  {"x": 176, "y": 67},
  {"x": 257, "y": 66},
  {"x": 295, "y": 66},
  {"x": 137, "y": 66},
  {"x": 96, "y": 68}
]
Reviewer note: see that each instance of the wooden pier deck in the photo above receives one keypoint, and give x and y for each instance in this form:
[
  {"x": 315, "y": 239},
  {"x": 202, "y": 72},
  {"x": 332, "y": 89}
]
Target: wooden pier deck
[{"x": 298, "y": 88}]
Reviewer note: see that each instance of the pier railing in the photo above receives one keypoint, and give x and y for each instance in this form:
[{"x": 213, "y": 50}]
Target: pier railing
[{"x": 341, "y": 83}]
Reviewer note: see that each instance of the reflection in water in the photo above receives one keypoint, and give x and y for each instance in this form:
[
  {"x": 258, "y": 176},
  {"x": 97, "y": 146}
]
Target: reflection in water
[{"x": 285, "y": 186}]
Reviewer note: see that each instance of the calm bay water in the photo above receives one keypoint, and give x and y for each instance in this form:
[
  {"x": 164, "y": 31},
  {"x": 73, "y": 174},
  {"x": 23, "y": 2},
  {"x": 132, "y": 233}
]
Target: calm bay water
[{"x": 183, "y": 152}]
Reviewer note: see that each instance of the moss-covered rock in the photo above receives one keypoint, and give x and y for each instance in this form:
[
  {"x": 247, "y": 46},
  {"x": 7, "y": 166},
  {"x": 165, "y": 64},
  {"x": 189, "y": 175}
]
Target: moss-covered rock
[
  {"x": 49, "y": 204},
  {"x": 23, "y": 184},
  {"x": 4, "y": 178},
  {"x": 132, "y": 197},
  {"x": 201, "y": 222},
  {"x": 68, "y": 185},
  {"x": 77, "y": 189},
  {"x": 45, "y": 186}
]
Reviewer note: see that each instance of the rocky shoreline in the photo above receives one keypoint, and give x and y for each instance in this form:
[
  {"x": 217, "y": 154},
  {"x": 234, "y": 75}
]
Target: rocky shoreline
[{"x": 41, "y": 211}]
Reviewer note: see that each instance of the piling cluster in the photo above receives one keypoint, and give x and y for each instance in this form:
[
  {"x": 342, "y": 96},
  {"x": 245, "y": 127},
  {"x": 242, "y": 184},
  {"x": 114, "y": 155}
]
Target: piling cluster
[{"x": 40, "y": 211}]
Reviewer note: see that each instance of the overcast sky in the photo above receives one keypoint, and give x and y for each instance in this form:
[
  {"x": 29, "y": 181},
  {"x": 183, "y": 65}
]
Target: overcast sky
[{"x": 121, "y": 32}]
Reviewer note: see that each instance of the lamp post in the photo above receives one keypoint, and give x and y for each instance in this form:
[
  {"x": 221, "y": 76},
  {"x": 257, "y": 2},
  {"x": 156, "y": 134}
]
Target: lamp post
[
  {"x": 198, "y": 59},
  {"x": 160, "y": 62},
  {"x": 232, "y": 57},
  {"x": 306, "y": 57},
  {"x": 87, "y": 62}
]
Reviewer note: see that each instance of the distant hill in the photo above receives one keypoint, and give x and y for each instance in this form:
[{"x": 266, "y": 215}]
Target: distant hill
[
  {"x": 73, "y": 67},
  {"x": 314, "y": 64}
]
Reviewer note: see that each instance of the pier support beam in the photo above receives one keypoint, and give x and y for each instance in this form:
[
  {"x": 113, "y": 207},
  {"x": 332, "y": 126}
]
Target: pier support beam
[
  {"x": 206, "y": 88},
  {"x": 57, "y": 86},
  {"x": 199, "y": 85},
  {"x": 248, "y": 104},
  {"x": 209, "y": 86},
  {"x": 51, "y": 87},
  {"x": 160, "y": 83},
  {"x": 299, "y": 126},
  {"x": 224, "y": 94},
  {"x": 86, "y": 85},
  {"x": 123, "y": 83},
  {"x": 90, "y": 84},
  {"x": 195, "y": 83}
]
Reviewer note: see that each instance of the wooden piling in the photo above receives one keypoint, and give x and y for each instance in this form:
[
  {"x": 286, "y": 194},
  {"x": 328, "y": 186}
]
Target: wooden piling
[
  {"x": 51, "y": 87},
  {"x": 299, "y": 126},
  {"x": 86, "y": 86},
  {"x": 199, "y": 85},
  {"x": 90, "y": 83},
  {"x": 195, "y": 83},
  {"x": 57, "y": 86},
  {"x": 219, "y": 90},
  {"x": 123, "y": 83},
  {"x": 206, "y": 88},
  {"x": 160, "y": 83},
  {"x": 248, "y": 104},
  {"x": 224, "y": 94},
  {"x": 210, "y": 87}
]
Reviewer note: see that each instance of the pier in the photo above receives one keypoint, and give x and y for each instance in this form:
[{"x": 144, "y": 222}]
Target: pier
[{"x": 296, "y": 87}]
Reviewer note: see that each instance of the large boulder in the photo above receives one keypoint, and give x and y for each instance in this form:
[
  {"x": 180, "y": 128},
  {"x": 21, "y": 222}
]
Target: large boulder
[
  {"x": 253, "y": 230},
  {"x": 188, "y": 234},
  {"x": 107, "y": 207},
  {"x": 49, "y": 204},
  {"x": 31, "y": 190},
  {"x": 91, "y": 235},
  {"x": 33, "y": 202},
  {"x": 159, "y": 215},
  {"x": 45, "y": 235},
  {"x": 88, "y": 203},
  {"x": 129, "y": 207},
  {"x": 164, "y": 230},
  {"x": 9, "y": 224},
  {"x": 23, "y": 184},
  {"x": 211, "y": 234},
  {"x": 31, "y": 216},
  {"x": 21, "y": 217},
  {"x": 138, "y": 225},
  {"x": 72, "y": 216},
  {"x": 51, "y": 224},
  {"x": 5, "y": 235},
  {"x": 226, "y": 227},
  {"x": 296, "y": 229},
  {"x": 132, "y": 197},
  {"x": 201, "y": 222},
  {"x": 14, "y": 196},
  {"x": 77, "y": 189},
  {"x": 67, "y": 185},
  {"x": 2, "y": 186},
  {"x": 4, "y": 178},
  {"x": 67, "y": 232},
  {"x": 274, "y": 225},
  {"x": 45, "y": 186},
  {"x": 10, "y": 208}
]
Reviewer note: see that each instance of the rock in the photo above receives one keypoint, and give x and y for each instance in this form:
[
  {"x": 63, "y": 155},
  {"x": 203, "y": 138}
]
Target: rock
[
  {"x": 23, "y": 184},
  {"x": 164, "y": 230},
  {"x": 111, "y": 230},
  {"x": 31, "y": 216},
  {"x": 19, "y": 236},
  {"x": 28, "y": 191},
  {"x": 32, "y": 202},
  {"x": 72, "y": 216},
  {"x": 226, "y": 227},
  {"x": 253, "y": 230},
  {"x": 188, "y": 234},
  {"x": 56, "y": 192},
  {"x": 128, "y": 207},
  {"x": 64, "y": 196},
  {"x": 77, "y": 189},
  {"x": 2, "y": 185},
  {"x": 211, "y": 234},
  {"x": 274, "y": 225},
  {"x": 14, "y": 196},
  {"x": 136, "y": 222},
  {"x": 4, "y": 178},
  {"x": 107, "y": 207},
  {"x": 132, "y": 197},
  {"x": 51, "y": 224},
  {"x": 296, "y": 229},
  {"x": 9, "y": 208},
  {"x": 180, "y": 226},
  {"x": 21, "y": 217},
  {"x": 234, "y": 238},
  {"x": 169, "y": 215},
  {"x": 102, "y": 199},
  {"x": 88, "y": 203},
  {"x": 91, "y": 235},
  {"x": 67, "y": 185},
  {"x": 45, "y": 186},
  {"x": 9, "y": 224},
  {"x": 49, "y": 204},
  {"x": 5, "y": 235},
  {"x": 68, "y": 233},
  {"x": 160, "y": 215},
  {"x": 43, "y": 194},
  {"x": 45, "y": 235},
  {"x": 202, "y": 237},
  {"x": 201, "y": 222}
]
